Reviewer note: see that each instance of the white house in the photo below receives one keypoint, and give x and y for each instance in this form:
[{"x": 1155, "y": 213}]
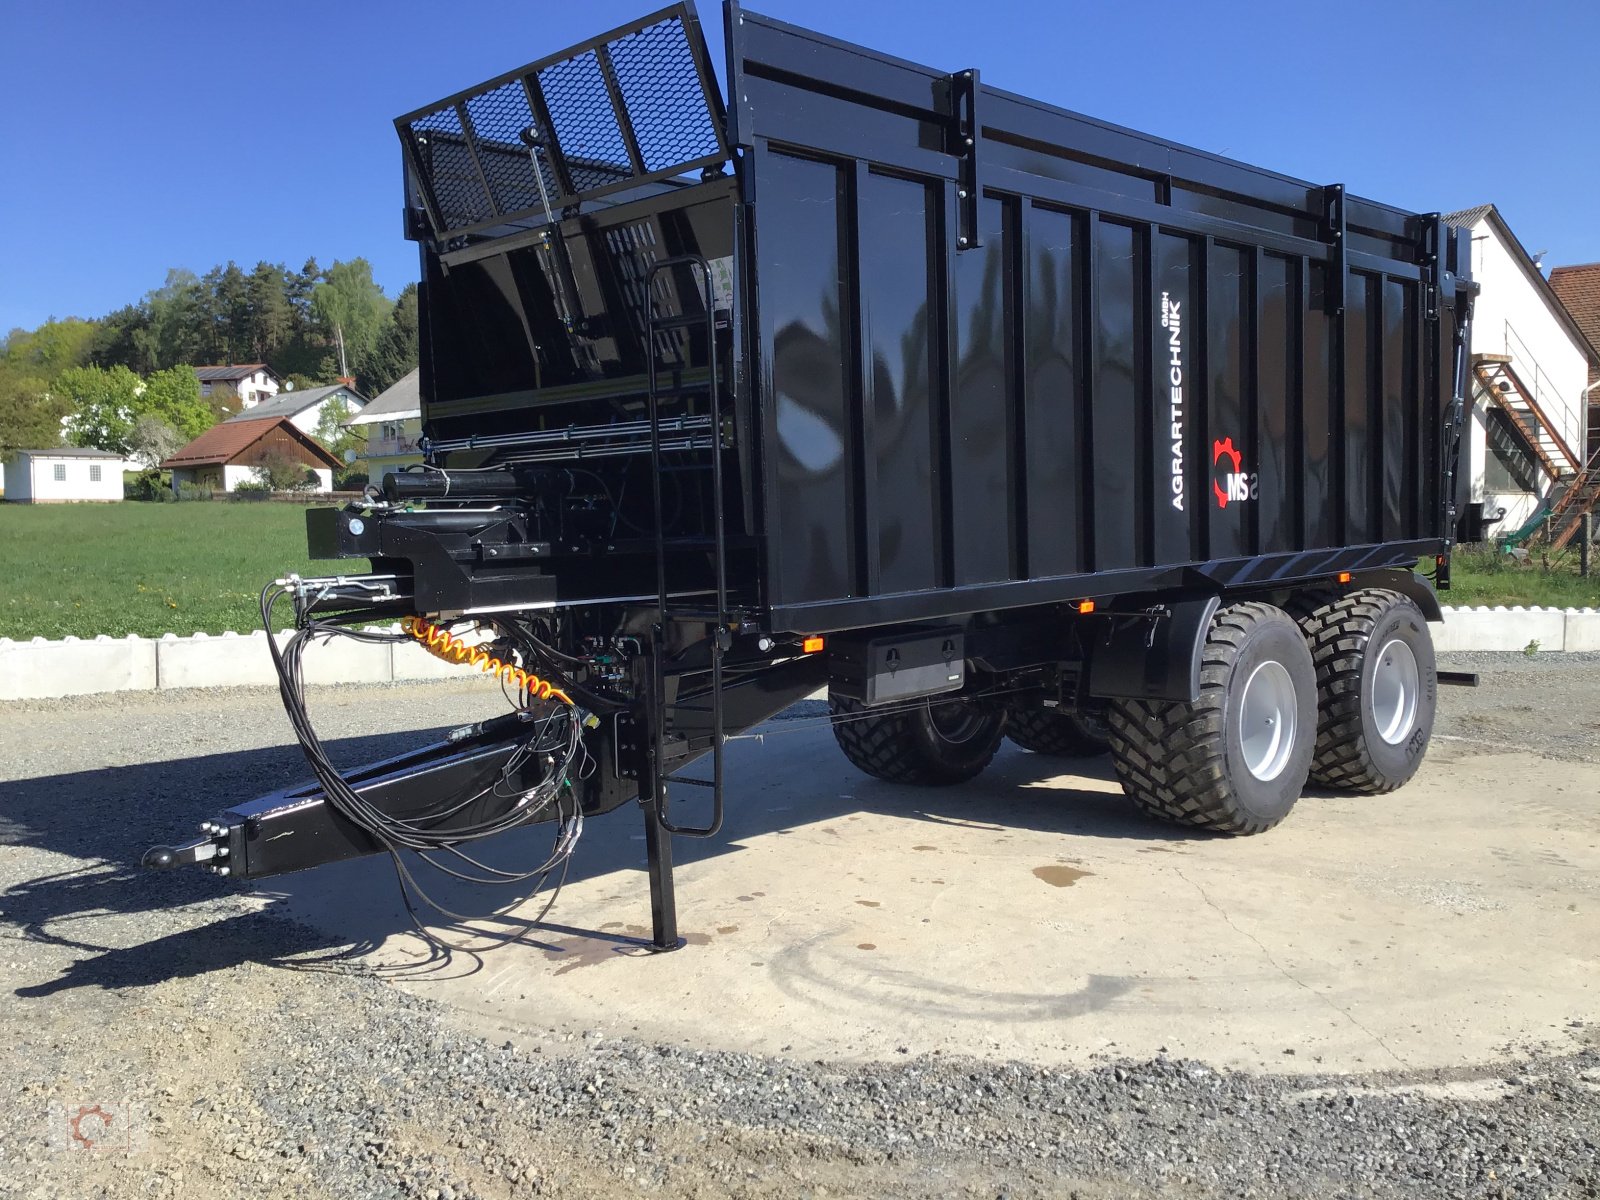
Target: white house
[
  {"x": 1529, "y": 350},
  {"x": 393, "y": 422},
  {"x": 231, "y": 453},
  {"x": 1578, "y": 286},
  {"x": 303, "y": 407},
  {"x": 251, "y": 382},
  {"x": 63, "y": 475}
]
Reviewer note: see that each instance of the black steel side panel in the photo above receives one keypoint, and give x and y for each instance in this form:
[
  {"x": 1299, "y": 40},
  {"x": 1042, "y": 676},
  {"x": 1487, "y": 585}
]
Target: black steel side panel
[{"x": 1151, "y": 366}]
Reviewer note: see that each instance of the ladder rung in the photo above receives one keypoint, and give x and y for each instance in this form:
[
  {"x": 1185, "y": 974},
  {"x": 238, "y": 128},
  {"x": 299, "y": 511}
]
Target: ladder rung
[{"x": 691, "y": 782}]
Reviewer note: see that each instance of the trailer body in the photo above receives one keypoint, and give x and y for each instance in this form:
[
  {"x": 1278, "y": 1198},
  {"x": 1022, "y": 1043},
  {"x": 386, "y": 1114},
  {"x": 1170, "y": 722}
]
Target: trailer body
[{"x": 881, "y": 378}]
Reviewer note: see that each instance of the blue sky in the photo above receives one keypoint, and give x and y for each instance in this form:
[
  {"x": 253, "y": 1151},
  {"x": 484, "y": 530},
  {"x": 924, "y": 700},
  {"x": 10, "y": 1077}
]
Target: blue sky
[{"x": 139, "y": 137}]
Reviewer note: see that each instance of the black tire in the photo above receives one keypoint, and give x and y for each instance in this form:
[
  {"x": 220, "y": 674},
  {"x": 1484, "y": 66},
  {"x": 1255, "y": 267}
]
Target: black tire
[
  {"x": 1187, "y": 762},
  {"x": 1369, "y": 738},
  {"x": 933, "y": 743},
  {"x": 1061, "y": 735}
]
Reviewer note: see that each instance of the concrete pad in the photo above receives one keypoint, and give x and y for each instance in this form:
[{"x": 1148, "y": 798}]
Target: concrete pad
[
  {"x": 1033, "y": 915},
  {"x": 1501, "y": 628},
  {"x": 43, "y": 669}
]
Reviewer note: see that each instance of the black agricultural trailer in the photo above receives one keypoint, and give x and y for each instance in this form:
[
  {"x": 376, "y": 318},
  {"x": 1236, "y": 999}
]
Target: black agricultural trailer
[{"x": 989, "y": 418}]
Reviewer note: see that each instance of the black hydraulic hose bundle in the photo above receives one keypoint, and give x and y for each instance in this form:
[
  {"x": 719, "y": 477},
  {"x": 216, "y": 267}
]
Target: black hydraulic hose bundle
[{"x": 557, "y": 735}]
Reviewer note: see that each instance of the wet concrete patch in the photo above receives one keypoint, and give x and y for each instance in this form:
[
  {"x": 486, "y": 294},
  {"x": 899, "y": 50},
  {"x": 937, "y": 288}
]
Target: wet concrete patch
[{"x": 1059, "y": 874}]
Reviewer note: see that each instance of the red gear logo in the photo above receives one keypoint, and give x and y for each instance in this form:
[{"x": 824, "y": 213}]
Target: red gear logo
[
  {"x": 1218, "y": 451},
  {"x": 77, "y": 1119}
]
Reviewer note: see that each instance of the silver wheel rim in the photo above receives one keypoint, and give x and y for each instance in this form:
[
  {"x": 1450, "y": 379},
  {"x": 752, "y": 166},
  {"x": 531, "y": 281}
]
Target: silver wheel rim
[
  {"x": 1396, "y": 680},
  {"x": 1268, "y": 713}
]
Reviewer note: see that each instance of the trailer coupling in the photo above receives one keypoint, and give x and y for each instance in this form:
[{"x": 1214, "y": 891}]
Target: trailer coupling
[{"x": 611, "y": 720}]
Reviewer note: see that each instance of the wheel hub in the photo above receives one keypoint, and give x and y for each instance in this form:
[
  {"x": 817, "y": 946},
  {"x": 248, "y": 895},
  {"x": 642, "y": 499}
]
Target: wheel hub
[
  {"x": 1396, "y": 682},
  {"x": 955, "y": 721},
  {"x": 1268, "y": 715}
]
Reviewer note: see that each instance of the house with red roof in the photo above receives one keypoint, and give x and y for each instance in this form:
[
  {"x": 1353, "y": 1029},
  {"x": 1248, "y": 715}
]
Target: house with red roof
[{"x": 233, "y": 452}]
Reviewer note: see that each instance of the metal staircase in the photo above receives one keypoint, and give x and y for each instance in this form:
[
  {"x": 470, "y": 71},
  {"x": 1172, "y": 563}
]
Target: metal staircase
[
  {"x": 1578, "y": 496},
  {"x": 1575, "y": 483},
  {"x": 1503, "y": 387}
]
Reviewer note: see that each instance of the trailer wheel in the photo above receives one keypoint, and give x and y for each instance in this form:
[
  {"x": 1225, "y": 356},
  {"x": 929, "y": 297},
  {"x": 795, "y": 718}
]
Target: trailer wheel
[
  {"x": 1376, "y": 690},
  {"x": 1236, "y": 759},
  {"x": 932, "y": 742},
  {"x": 1084, "y": 734}
]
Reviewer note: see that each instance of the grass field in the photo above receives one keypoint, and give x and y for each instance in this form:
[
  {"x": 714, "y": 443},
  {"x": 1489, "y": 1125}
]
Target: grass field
[
  {"x": 1484, "y": 575},
  {"x": 87, "y": 569}
]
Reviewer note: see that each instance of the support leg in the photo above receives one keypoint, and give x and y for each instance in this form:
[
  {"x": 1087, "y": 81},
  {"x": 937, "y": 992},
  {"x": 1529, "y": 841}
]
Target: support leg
[{"x": 663, "y": 900}]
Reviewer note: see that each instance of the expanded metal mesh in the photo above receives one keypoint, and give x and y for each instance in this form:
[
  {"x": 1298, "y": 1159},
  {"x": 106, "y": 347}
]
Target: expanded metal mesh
[
  {"x": 629, "y": 111},
  {"x": 586, "y": 122},
  {"x": 670, "y": 118}
]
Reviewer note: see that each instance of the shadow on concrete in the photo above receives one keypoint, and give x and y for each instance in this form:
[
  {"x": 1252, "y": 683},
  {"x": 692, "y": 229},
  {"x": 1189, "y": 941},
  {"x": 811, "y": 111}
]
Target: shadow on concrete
[{"x": 105, "y": 819}]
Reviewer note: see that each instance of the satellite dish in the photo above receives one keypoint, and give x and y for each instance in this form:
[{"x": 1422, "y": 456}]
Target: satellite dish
[
  {"x": 349, "y": 456},
  {"x": 289, "y": 386}
]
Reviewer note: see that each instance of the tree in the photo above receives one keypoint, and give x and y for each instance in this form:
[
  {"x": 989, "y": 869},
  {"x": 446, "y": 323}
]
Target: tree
[
  {"x": 332, "y": 433},
  {"x": 124, "y": 337},
  {"x": 222, "y": 403},
  {"x": 225, "y": 295},
  {"x": 282, "y": 473},
  {"x": 153, "y": 441},
  {"x": 272, "y": 317},
  {"x": 30, "y": 414},
  {"x": 398, "y": 345},
  {"x": 179, "y": 330},
  {"x": 104, "y": 405},
  {"x": 174, "y": 396},
  {"x": 50, "y": 349},
  {"x": 352, "y": 310}
]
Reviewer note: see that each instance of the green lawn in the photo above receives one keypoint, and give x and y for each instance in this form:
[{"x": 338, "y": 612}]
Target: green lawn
[
  {"x": 88, "y": 569},
  {"x": 1483, "y": 575}
]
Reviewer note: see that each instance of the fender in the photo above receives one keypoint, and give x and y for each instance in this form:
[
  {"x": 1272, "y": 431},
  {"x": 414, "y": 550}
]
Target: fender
[
  {"x": 1154, "y": 653},
  {"x": 1408, "y": 583}
]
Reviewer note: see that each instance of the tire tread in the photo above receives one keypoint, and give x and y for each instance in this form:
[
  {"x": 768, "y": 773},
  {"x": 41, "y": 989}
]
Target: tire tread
[
  {"x": 1168, "y": 755},
  {"x": 1338, "y": 633}
]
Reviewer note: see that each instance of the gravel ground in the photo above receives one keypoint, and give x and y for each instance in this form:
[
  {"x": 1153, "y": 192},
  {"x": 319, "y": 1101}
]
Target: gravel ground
[{"x": 242, "y": 1056}]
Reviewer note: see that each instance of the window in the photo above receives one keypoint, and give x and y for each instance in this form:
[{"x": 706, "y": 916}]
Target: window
[
  {"x": 94, "y": 472},
  {"x": 205, "y": 389},
  {"x": 59, "y": 472}
]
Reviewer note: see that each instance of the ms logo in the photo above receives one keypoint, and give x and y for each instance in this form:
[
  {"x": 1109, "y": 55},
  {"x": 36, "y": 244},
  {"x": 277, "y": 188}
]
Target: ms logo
[{"x": 1230, "y": 482}]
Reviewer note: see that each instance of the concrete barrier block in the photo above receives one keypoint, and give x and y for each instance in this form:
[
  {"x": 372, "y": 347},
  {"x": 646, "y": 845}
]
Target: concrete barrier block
[
  {"x": 1583, "y": 629},
  {"x": 1502, "y": 629},
  {"x": 204, "y": 661},
  {"x": 41, "y": 669},
  {"x": 411, "y": 661},
  {"x": 344, "y": 660}
]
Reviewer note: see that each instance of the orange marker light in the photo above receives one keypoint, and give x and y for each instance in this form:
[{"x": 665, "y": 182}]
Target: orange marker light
[
  {"x": 811, "y": 645},
  {"x": 1086, "y": 606},
  {"x": 1344, "y": 576}
]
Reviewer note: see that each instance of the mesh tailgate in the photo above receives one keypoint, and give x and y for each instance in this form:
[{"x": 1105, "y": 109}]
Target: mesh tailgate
[{"x": 634, "y": 106}]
